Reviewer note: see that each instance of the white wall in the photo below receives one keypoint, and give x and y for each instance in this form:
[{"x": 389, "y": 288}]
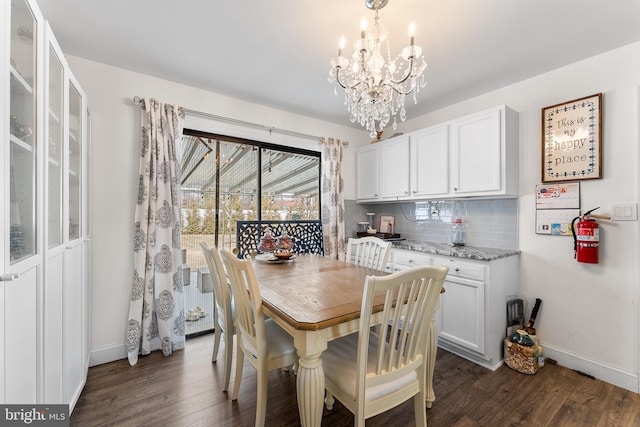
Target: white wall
[
  {"x": 589, "y": 315},
  {"x": 115, "y": 129}
]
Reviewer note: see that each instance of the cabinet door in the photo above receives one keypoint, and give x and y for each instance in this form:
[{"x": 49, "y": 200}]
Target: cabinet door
[
  {"x": 21, "y": 337},
  {"x": 21, "y": 218},
  {"x": 54, "y": 130},
  {"x": 462, "y": 313},
  {"x": 367, "y": 172},
  {"x": 394, "y": 167},
  {"x": 477, "y": 153},
  {"x": 430, "y": 161},
  {"x": 72, "y": 324}
]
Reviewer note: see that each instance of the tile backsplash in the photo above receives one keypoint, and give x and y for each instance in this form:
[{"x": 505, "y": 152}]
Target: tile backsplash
[{"x": 491, "y": 223}]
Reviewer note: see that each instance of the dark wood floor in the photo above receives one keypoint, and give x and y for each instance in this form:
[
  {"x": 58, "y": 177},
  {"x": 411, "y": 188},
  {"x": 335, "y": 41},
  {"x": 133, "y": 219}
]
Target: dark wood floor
[{"x": 184, "y": 390}]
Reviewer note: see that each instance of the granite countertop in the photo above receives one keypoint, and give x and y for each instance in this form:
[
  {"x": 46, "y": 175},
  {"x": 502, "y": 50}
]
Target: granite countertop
[{"x": 447, "y": 249}]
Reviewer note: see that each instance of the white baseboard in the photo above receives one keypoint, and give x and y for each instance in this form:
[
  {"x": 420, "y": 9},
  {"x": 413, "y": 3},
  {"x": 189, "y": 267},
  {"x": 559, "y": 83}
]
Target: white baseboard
[
  {"x": 601, "y": 371},
  {"x": 108, "y": 354}
]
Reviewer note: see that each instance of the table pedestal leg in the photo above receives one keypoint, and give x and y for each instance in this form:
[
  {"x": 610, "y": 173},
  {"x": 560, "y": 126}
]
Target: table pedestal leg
[
  {"x": 310, "y": 387},
  {"x": 432, "y": 350}
]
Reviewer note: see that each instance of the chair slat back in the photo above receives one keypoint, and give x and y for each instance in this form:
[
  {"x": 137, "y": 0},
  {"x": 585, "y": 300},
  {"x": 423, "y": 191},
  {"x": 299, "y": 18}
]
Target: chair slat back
[
  {"x": 246, "y": 296},
  {"x": 221, "y": 290},
  {"x": 402, "y": 344},
  {"x": 371, "y": 252}
]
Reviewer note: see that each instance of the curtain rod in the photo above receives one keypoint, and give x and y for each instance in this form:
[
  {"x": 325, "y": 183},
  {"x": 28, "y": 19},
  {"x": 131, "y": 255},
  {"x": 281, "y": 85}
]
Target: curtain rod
[{"x": 138, "y": 101}]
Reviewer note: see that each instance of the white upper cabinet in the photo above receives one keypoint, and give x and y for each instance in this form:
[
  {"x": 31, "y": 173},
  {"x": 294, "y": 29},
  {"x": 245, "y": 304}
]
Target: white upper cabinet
[
  {"x": 485, "y": 154},
  {"x": 394, "y": 157},
  {"x": 429, "y": 164},
  {"x": 473, "y": 156},
  {"x": 367, "y": 173}
]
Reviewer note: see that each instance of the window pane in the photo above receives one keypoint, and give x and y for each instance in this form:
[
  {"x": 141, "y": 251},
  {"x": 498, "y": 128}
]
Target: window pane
[
  {"x": 75, "y": 161},
  {"x": 22, "y": 122},
  {"x": 55, "y": 119},
  {"x": 290, "y": 186}
]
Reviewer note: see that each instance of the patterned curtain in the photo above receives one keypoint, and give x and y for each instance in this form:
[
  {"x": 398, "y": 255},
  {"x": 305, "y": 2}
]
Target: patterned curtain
[
  {"x": 156, "y": 310},
  {"x": 332, "y": 198}
]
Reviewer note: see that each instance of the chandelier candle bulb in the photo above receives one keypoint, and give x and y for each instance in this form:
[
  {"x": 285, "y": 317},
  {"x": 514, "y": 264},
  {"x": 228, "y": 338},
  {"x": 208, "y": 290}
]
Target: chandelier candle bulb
[
  {"x": 341, "y": 44},
  {"x": 412, "y": 32},
  {"x": 363, "y": 28}
]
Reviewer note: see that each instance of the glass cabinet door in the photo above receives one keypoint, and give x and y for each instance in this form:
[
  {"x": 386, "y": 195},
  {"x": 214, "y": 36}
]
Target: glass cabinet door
[
  {"x": 22, "y": 126},
  {"x": 55, "y": 118},
  {"x": 76, "y": 134}
]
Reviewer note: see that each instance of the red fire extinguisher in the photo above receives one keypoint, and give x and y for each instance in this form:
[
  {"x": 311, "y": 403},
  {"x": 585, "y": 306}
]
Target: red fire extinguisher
[{"x": 586, "y": 238}]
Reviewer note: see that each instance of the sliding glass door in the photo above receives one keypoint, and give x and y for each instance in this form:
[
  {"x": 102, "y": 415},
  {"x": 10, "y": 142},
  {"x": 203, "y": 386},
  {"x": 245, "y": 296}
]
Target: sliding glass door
[{"x": 225, "y": 180}]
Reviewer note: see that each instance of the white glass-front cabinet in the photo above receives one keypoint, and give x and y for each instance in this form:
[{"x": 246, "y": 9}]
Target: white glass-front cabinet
[
  {"x": 65, "y": 343},
  {"x": 55, "y": 125},
  {"x": 75, "y": 288},
  {"x": 44, "y": 251},
  {"x": 22, "y": 211}
]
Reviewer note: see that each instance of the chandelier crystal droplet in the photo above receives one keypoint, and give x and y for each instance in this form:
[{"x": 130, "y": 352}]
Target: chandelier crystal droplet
[{"x": 375, "y": 88}]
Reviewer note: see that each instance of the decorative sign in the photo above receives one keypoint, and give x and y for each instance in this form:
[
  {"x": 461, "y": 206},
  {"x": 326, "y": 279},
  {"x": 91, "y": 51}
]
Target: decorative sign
[{"x": 571, "y": 140}]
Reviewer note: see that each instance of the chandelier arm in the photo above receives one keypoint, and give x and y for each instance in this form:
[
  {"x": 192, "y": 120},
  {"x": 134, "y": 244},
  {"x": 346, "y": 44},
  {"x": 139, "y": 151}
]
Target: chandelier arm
[
  {"x": 338, "y": 68},
  {"x": 404, "y": 79},
  {"x": 342, "y": 84},
  {"x": 397, "y": 91}
]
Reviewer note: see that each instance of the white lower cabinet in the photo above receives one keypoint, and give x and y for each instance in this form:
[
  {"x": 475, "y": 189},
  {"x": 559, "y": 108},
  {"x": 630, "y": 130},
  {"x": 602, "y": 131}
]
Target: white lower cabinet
[
  {"x": 19, "y": 319},
  {"x": 472, "y": 318},
  {"x": 462, "y": 313},
  {"x": 74, "y": 366},
  {"x": 53, "y": 330},
  {"x": 403, "y": 259}
]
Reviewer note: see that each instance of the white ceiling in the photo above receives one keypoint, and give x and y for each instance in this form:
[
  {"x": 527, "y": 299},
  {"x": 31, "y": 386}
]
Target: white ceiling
[{"x": 277, "y": 53}]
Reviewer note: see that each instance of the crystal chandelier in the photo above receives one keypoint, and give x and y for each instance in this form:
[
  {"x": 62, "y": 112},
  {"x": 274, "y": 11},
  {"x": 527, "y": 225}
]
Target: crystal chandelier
[{"x": 375, "y": 89}]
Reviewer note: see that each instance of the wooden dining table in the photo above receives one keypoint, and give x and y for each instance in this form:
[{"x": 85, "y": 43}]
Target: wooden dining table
[{"x": 317, "y": 299}]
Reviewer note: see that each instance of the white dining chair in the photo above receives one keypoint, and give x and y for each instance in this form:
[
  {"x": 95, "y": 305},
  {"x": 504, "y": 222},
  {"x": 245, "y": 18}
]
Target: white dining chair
[
  {"x": 371, "y": 373},
  {"x": 369, "y": 251},
  {"x": 224, "y": 311},
  {"x": 265, "y": 344}
]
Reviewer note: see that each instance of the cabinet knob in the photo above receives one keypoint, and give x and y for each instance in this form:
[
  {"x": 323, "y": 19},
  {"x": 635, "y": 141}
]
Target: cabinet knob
[
  {"x": 406, "y": 192},
  {"x": 455, "y": 188},
  {"x": 411, "y": 261},
  {"x": 456, "y": 269},
  {"x": 414, "y": 191}
]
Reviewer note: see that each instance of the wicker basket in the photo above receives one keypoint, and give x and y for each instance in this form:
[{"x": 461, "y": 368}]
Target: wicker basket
[{"x": 521, "y": 358}]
